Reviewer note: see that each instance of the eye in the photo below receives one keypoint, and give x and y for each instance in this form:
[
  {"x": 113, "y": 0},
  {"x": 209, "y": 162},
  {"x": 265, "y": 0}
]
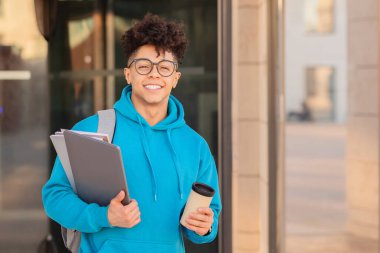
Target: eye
[{"x": 164, "y": 68}]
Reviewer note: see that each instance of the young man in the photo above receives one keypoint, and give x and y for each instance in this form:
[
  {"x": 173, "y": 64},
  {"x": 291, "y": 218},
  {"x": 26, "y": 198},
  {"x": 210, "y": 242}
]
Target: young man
[{"x": 162, "y": 157}]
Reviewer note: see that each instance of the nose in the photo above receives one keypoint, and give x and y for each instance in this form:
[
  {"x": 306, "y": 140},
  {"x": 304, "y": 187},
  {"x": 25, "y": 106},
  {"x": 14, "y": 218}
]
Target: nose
[{"x": 154, "y": 72}]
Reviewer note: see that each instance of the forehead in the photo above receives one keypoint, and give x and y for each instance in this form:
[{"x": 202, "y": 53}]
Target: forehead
[{"x": 149, "y": 51}]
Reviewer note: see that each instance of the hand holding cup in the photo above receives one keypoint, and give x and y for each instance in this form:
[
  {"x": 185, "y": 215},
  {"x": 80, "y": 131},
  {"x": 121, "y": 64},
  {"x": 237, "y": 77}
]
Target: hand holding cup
[{"x": 197, "y": 215}]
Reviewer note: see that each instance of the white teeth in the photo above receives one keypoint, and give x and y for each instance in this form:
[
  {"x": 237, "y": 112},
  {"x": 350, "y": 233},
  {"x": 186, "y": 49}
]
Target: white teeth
[{"x": 153, "y": 87}]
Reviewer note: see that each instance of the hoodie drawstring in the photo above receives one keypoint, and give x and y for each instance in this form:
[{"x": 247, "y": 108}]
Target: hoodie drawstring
[
  {"x": 146, "y": 149},
  {"x": 174, "y": 120},
  {"x": 176, "y": 163}
]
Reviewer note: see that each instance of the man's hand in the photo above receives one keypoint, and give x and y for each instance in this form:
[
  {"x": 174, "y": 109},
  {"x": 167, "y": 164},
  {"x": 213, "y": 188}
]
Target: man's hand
[
  {"x": 123, "y": 216},
  {"x": 201, "y": 221}
]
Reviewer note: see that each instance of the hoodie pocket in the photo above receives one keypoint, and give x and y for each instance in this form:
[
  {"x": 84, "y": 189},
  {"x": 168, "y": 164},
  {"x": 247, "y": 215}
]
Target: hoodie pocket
[{"x": 127, "y": 246}]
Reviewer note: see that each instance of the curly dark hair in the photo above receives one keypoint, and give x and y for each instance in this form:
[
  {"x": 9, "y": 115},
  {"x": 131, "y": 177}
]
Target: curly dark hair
[{"x": 156, "y": 31}]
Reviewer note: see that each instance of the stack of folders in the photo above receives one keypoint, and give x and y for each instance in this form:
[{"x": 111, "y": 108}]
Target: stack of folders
[
  {"x": 59, "y": 144},
  {"x": 94, "y": 166}
]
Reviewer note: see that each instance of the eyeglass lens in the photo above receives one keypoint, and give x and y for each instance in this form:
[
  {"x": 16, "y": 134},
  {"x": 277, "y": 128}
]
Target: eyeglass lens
[{"x": 144, "y": 67}]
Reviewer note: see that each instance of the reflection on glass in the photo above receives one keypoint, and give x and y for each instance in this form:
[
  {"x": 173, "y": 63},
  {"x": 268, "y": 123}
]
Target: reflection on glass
[
  {"x": 319, "y": 16},
  {"x": 81, "y": 43},
  {"x": 319, "y": 93},
  {"x": 76, "y": 53},
  {"x": 23, "y": 128}
]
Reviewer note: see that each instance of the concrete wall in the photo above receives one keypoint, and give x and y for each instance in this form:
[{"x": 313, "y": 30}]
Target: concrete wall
[
  {"x": 250, "y": 126},
  {"x": 312, "y": 49},
  {"x": 363, "y": 118}
]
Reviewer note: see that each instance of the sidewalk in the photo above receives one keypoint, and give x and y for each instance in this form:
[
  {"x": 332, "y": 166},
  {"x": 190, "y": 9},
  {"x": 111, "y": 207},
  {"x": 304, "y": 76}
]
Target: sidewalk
[{"x": 316, "y": 192}]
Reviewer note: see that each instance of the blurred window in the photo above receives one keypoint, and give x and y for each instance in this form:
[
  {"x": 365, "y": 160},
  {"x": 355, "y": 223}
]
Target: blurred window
[
  {"x": 320, "y": 92},
  {"x": 319, "y": 16}
]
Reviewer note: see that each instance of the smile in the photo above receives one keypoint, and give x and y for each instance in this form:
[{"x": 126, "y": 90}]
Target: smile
[{"x": 152, "y": 87}]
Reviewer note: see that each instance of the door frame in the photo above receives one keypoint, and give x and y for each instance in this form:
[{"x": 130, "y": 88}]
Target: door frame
[
  {"x": 225, "y": 121},
  {"x": 276, "y": 124}
]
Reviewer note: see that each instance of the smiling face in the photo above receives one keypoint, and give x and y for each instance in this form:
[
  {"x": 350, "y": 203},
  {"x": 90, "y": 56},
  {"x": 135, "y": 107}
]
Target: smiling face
[{"x": 151, "y": 90}]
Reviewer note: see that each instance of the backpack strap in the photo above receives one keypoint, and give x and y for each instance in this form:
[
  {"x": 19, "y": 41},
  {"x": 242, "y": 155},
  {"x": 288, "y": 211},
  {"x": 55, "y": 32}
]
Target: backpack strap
[
  {"x": 107, "y": 122},
  {"x": 71, "y": 239}
]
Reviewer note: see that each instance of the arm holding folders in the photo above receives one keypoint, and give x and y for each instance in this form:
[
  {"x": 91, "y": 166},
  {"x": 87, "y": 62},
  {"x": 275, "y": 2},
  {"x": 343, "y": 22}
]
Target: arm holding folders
[
  {"x": 60, "y": 200},
  {"x": 97, "y": 168}
]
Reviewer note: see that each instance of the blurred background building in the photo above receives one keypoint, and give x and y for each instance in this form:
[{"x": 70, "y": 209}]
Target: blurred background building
[
  {"x": 316, "y": 59},
  {"x": 285, "y": 92}
]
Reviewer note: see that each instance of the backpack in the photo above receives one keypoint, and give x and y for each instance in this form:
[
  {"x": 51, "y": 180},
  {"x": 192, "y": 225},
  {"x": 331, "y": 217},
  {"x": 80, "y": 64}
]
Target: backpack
[{"x": 106, "y": 125}]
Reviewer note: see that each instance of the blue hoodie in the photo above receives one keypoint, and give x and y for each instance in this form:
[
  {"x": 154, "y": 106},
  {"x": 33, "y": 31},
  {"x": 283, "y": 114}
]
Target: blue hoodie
[{"x": 161, "y": 162}]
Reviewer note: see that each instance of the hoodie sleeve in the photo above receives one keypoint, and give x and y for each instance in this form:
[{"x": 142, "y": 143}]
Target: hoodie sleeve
[
  {"x": 65, "y": 207},
  {"x": 207, "y": 174}
]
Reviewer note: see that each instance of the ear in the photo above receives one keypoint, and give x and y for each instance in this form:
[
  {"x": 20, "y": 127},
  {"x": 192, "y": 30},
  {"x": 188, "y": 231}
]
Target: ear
[
  {"x": 127, "y": 75},
  {"x": 176, "y": 78}
]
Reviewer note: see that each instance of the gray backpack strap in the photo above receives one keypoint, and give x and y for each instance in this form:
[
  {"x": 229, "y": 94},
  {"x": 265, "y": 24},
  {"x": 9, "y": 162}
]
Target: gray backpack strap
[
  {"x": 71, "y": 239},
  {"x": 106, "y": 124}
]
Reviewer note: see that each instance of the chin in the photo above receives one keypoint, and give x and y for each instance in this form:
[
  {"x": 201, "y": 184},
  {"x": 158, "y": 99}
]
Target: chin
[{"x": 154, "y": 101}]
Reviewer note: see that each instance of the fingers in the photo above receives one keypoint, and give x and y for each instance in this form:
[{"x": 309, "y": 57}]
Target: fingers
[
  {"x": 132, "y": 222},
  {"x": 135, "y": 215},
  {"x": 118, "y": 198},
  {"x": 123, "y": 216},
  {"x": 135, "y": 222},
  {"x": 198, "y": 230},
  {"x": 203, "y": 215},
  {"x": 206, "y": 211},
  {"x": 132, "y": 205},
  {"x": 132, "y": 212},
  {"x": 200, "y": 221}
]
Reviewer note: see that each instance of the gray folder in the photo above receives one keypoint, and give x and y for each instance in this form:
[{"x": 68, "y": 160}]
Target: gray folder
[{"x": 97, "y": 168}]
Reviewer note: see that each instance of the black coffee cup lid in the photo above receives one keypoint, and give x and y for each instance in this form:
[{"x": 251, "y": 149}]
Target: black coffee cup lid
[{"x": 203, "y": 189}]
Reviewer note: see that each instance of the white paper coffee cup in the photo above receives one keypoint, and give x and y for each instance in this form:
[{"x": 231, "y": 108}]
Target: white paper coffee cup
[{"x": 200, "y": 196}]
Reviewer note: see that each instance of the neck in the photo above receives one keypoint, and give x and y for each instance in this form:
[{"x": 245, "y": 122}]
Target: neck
[{"x": 152, "y": 114}]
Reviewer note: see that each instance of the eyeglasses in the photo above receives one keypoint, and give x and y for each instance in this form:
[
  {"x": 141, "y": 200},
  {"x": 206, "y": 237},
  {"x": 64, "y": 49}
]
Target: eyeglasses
[{"x": 144, "y": 66}]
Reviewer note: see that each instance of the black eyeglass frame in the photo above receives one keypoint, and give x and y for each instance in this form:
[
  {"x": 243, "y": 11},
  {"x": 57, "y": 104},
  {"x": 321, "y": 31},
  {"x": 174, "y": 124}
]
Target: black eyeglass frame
[{"x": 152, "y": 64}]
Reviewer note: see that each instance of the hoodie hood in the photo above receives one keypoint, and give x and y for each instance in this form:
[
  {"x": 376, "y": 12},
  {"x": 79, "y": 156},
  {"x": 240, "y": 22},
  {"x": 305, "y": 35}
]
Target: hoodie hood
[{"x": 174, "y": 119}]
